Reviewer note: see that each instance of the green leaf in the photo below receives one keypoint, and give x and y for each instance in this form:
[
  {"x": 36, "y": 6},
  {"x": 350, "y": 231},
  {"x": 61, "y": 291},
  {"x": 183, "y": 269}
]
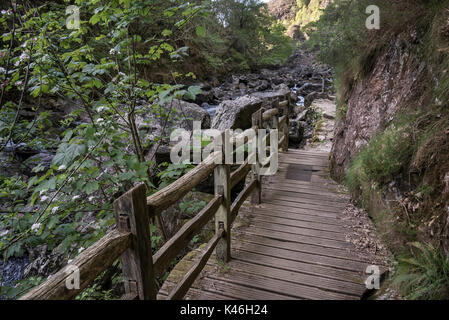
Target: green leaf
[
  {"x": 201, "y": 31},
  {"x": 167, "y": 33},
  {"x": 91, "y": 186},
  {"x": 68, "y": 152},
  {"x": 95, "y": 19}
]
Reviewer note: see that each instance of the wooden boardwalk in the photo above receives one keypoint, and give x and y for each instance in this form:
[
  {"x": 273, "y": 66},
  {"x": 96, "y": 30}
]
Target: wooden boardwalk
[{"x": 292, "y": 246}]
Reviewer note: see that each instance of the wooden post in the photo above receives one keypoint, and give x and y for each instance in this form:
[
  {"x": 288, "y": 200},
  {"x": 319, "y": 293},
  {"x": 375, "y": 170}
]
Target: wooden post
[
  {"x": 286, "y": 127},
  {"x": 257, "y": 194},
  {"x": 222, "y": 186},
  {"x": 131, "y": 214}
]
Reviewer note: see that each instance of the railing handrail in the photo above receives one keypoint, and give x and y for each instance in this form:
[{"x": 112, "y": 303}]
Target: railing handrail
[{"x": 130, "y": 238}]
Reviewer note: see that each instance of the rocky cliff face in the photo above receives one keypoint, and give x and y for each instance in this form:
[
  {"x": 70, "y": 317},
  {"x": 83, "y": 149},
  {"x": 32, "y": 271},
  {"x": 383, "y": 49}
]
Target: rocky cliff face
[{"x": 396, "y": 82}]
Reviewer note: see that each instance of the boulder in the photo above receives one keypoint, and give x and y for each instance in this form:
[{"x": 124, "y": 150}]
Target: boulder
[
  {"x": 182, "y": 116},
  {"x": 154, "y": 125},
  {"x": 269, "y": 96},
  {"x": 42, "y": 159},
  {"x": 9, "y": 166},
  {"x": 236, "y": 114}
]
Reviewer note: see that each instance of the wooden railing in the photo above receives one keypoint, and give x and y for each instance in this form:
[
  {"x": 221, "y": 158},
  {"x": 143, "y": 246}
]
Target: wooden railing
[{"x": 130, "y": 240}]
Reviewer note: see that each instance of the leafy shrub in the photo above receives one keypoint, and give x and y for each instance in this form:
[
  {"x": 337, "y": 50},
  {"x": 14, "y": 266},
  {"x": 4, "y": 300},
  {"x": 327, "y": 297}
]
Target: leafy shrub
[
  {"x": 425, "y": 274},
  {"x": 386, "y": 156}
]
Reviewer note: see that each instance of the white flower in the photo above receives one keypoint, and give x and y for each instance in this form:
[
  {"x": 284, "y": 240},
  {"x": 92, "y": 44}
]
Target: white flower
[
  {"x": 35, "y": 226},
  {"x": 24, "y": 44},
  {"x": 42, "y": 192},
  {"x": 62, "y": 167},
  {"x": 4, "y": 233},
  {"x": 2, "y": 70},
  {"x": 54, "y": 210},
  {"x": 112, "y": 51},
  {"x": 91, "y": 198},
  {"x": 24, "y": 56},
  {"x": 69, "y": 261},
  {"x": 101, "y": 108},
  {"x": 76, "y": 197},
  {"x": 80, "y": 249},
  {"x": 44, "y": 198},
  {"x": 100, "y": 120},
  {"x": 19, "y": 83}
]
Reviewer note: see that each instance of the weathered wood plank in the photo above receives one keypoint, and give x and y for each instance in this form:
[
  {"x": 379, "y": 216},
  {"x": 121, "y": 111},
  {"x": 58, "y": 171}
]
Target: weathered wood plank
[
  {"x": 315, "y": 270},
  {"x": 300, "y": 231},
  {"x": 131, "y": 214},
  {"x": 90, "y": 263},
  {"x": 289, "y": 288},
  {"x": 162, "y": 199},
  {"x": 273, "y": 219},
  {"x": 304, "y": 204},
  {"x": 243, "y": 195},
  {"x": 341, "y": 253},
  {"x": 223, "y": 218},
  {"x": 267, "y": 115},
  {"x": 183, "y": 286},
  {"x": 299, "y": 216},
  {"x": 164, "y": 256},
  {"x": 239, "y": 174},
  {"x": 278, "y": 235},
  {"x": 306, "y": 268},
  {"x": 336, "y": 263},
  {"x": 294, "y": 276},
  {"x": 303, "y": 208}
]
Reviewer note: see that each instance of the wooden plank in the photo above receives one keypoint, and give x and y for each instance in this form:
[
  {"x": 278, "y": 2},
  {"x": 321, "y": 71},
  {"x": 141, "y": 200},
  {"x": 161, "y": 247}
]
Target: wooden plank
[
  {"x": 183, "y": 286},
  {"x": 319, "y": 198},
  {"x": 307, "y": 193},
  {"x": 192, "y": 294},
  {"x": 323, "y": 182},
  {"x": 164, "y": 198},
  {"x": 296, "y": 238},
  {"x": 303, "y": 208},
  {"x": 304, "y": 190},
  {"x": 300, "y": 231},
  {"x": 239, "y": 291},
  {"x": 292, "y": 197},
  {"x": 283, "y": 104},
  {"x": 90, "y": 263},
  {"x": 282, "y": 121},
  {"x": 256, "y": 217},
  {"x": 332, "y": 262},
  {"x": 240, "y": 173},
  {"x": 165, "y": 255},
  {"x": 223, "y": 218},
  {"x": 295, "y": 276},
  {"x": 242, "y": 197},
  {"x": 342, "y": 253},
  {"x": 289, "y": 288},
  {"x": 330, "y": 210},
  {"x": 303, "y": 279},
  {"x": 293, "y": 216},
  {"x": 131, "y": 214},
  {"x": 306, "y": 268},
  {"x": 267, "y": 115}
]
